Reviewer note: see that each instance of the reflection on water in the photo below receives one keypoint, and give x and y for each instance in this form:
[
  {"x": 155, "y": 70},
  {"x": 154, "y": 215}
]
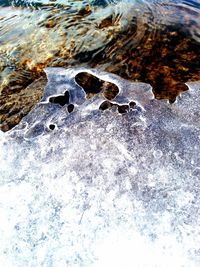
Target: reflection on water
[{"x": 150, "y": 41}]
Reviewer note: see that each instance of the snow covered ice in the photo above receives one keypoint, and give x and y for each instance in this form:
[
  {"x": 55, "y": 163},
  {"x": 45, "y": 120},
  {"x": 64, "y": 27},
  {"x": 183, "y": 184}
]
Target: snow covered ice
[{"x": 99, "y": 188}]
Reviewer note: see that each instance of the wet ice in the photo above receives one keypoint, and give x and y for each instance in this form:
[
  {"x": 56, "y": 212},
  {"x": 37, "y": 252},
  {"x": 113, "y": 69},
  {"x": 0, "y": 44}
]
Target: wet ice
[{"x": 102, "y": 188}]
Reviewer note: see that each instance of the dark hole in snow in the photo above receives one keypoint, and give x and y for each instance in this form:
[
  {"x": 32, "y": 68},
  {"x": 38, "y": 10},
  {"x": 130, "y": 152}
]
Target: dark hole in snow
[
  {"x": 105, "y": 105},
  {"x": 132, "y": 104},
  {"x": 123, "y": 109},
  {"x": 61, "y": 99},
  {"x": 70, "y": 108},
  {"x": 110, "y": 90},
  {"x": 93, "y": 85},
  {"x": 52, "y": 126}
]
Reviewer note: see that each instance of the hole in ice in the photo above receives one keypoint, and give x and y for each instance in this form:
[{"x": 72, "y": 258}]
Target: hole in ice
[
  {"x": 123, "y": 108},
  {"x": 52, "y": 126},
  {"x": 60, "y": 99},
  {"x": 93, "y": 85},
  {"x": 107, "y": 105},
  {"x": 110, "y": 90},
  {"x": 132, "y": 104},
  {"x": 70, "y": 108}
]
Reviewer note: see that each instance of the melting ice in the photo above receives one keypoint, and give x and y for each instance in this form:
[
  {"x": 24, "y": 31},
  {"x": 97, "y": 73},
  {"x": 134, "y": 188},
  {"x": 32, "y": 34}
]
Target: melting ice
[{"x": 93, "y": 187}]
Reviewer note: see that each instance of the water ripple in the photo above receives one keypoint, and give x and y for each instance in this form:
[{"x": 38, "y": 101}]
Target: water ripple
[{"x": 156, "y": 42}]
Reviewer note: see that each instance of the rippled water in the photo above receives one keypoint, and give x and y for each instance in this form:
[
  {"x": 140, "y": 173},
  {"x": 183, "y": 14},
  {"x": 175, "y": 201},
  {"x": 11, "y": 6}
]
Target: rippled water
[{"x": 156, "y": 42}]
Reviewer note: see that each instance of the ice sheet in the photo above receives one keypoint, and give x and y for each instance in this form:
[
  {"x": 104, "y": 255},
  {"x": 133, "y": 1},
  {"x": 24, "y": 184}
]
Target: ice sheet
[{"x": 102, "y": 188}]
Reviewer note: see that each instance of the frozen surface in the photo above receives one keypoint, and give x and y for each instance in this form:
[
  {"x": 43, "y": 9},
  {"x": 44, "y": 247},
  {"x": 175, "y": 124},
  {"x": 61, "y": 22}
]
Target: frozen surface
[{"x": 102, "y": 188}]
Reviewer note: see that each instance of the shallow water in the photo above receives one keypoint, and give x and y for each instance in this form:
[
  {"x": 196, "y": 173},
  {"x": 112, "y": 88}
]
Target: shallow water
[{"x": 156, "y": 42}]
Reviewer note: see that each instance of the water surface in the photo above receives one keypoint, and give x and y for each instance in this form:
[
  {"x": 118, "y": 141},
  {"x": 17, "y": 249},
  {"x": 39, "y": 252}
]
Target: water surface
[{"x": 156, "y": 42}]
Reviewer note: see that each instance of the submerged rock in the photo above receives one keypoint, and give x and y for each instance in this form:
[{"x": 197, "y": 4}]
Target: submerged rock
[{"x": 95, "y": 187}]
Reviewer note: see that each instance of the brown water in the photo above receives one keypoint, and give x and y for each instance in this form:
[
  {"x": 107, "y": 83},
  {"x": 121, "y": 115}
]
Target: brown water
[{"x": 157, "y": 42}]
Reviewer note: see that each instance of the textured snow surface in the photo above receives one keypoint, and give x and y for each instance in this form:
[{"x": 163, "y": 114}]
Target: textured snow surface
[{"x": 102, "y": 188}]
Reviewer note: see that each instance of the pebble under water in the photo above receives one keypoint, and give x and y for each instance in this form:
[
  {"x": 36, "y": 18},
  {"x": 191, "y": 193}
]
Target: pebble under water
[{"x": 100, "y": 187}]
